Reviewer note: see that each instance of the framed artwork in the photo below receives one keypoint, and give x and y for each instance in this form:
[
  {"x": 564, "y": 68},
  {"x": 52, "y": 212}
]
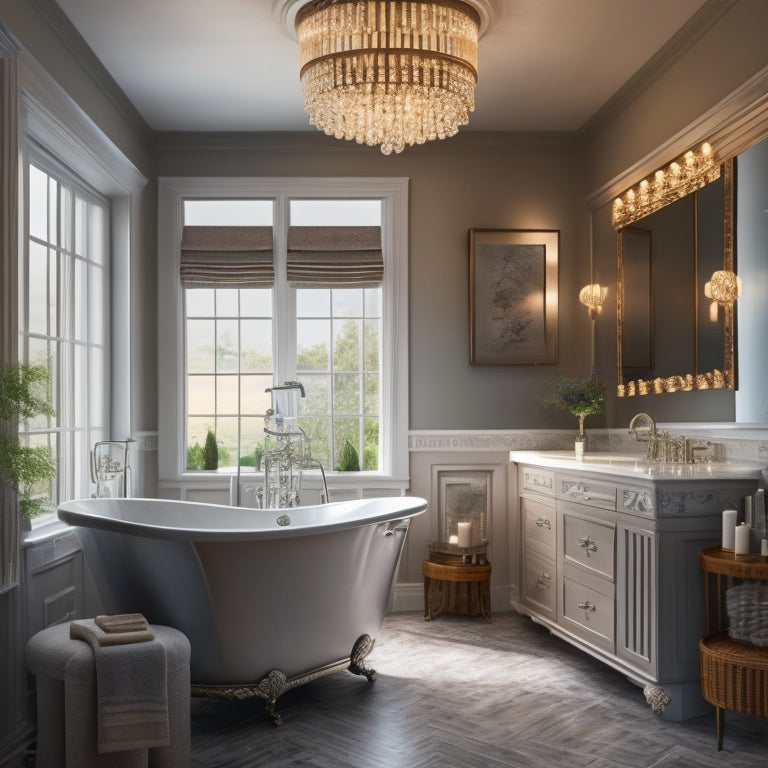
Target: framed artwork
[{"x": 513, "y": 296}]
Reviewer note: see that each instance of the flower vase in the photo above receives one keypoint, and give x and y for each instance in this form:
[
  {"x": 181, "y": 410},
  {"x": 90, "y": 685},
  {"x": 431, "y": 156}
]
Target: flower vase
[{"x": 581, "y": 439}]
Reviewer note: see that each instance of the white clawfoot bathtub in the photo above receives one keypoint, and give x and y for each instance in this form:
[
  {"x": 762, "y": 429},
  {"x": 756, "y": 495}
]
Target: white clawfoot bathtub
[{"x": 269, "y": 599}]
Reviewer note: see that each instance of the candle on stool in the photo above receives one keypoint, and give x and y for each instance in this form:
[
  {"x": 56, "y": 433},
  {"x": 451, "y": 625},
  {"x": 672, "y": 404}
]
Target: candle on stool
[
  {"x": 742, "y": 539},
  {"x": 465, "y": 534},
  {"x": 729, "y": 529}
]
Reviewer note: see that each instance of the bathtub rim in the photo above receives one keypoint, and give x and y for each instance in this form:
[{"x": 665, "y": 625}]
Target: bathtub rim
[{"x": 75, "y": 512}]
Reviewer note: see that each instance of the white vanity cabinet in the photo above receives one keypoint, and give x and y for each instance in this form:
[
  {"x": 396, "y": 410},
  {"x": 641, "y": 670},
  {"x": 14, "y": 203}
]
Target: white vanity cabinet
[{"x": 609, "y": 562}]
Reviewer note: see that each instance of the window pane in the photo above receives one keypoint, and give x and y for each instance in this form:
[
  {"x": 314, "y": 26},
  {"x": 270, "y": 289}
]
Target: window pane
[
  {"x": 230, "y": 213},
  {"x": 313, "y": 342},
  {"x": 201, "y": 394},
  {"x": 253, "y": 397},
  {"x": 37, "y": 296},
  {"x": 226, "y": 395},
  {"x": 81, "y": 231},
  {"x": 346, "y": 345},
  {"x": 97, "y": 246},
  {"x": 369, "y": 461},
  {"x": 314, "y": 302},
  {"x": 371, "y": 396},
  {"x": 97, "y": 390},
  {"x": 345, "y": 429},
  {"x": 347, "y": 302},
  {"x": 372, "y": 302},
  {"x": 201, "y": 335},
  {"x": 226, "y": 345},
  {"x": 99, "y": 296},
  {"x": 38, "y": 203},
  {"x": 309, "y": 213},
  {"x": 256, "y": 302},
  {"x": 346, "y": 393},
  {"x": 200, "y": 302},
  {"x": 81, "y": 297},
  {"x": 371, "y": 342},
  {"x": 318, "y": 391},
  {"x": 197, "y": 429},
  {"x": 53, "y": 211},
  {"x": 256, "y": 346},
  {"x": 226, "y": 438},
  {"x": 227, "y": 302},
  {"x": 318, "y": 431}
]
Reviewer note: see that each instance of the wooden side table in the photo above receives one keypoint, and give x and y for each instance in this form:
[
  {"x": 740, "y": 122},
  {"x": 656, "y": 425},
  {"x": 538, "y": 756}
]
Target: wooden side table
[
  {"x": 734, "y": 673},
  {"x": 456, "y": 588}
]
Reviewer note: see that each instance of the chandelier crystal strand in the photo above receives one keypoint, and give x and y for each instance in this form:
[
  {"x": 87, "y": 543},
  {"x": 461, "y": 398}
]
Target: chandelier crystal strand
[{"x": 391, "y": 73}]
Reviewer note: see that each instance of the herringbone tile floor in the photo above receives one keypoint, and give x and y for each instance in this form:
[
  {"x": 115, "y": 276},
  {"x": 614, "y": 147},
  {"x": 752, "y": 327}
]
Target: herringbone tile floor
[{"x": 465, "y": 693}]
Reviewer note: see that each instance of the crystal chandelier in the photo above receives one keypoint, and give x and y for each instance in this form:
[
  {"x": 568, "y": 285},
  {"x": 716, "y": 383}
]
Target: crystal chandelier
[{"x": 388, "y": 72}]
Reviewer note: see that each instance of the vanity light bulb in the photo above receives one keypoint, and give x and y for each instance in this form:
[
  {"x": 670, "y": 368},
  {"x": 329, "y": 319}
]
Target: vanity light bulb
[{"x": 713, "y": 311}]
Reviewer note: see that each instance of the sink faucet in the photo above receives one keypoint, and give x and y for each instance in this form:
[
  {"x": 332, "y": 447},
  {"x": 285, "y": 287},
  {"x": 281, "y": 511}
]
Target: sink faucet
[{"x": 643, "y": 427}]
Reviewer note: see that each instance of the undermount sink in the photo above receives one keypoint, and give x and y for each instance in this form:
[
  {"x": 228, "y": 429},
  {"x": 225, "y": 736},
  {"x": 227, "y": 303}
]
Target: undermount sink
[{"x": 598, "y": 457}]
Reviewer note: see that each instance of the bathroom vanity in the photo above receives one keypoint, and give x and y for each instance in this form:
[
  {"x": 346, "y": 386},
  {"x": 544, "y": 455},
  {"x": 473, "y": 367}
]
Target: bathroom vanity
[{"x": 607, "y": 550}]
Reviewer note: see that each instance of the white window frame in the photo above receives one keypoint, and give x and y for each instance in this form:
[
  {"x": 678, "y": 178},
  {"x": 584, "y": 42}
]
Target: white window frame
[
  {"x": 51, "y": 120},
  {"x": 393, "y": 193}
]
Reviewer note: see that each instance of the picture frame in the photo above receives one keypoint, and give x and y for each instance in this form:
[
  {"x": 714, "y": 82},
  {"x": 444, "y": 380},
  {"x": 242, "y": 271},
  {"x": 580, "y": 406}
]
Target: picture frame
[{"x": 513, "y": 296}]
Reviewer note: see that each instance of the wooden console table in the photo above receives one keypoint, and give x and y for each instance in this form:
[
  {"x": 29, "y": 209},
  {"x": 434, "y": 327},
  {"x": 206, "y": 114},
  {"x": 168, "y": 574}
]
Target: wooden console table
[
  {"x": 456, "y": 588},
  {"x": 734, "y": 674}
]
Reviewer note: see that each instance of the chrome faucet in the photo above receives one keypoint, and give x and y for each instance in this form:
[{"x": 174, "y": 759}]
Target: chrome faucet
[{"x": 661, "y": 446}]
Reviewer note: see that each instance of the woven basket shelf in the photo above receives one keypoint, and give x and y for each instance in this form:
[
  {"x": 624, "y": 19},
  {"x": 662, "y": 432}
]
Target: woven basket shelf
[{"x": 734, "y": 674}]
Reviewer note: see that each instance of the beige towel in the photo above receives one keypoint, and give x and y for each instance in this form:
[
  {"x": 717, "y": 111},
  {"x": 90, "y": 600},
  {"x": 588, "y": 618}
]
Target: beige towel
[
  {"x": 122, "y": 622},
  {"x": 131, "y": 687}
]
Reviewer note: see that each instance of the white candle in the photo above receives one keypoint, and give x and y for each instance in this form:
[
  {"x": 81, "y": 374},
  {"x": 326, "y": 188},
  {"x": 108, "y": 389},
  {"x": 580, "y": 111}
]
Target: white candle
[
  {"x": 742, "y": 539},
  {"x": 453, "y": 539},
  {"x": 764, "y": 547},
  {"x": 729, "y": 529},
  {"x": 465, "y": 534}
]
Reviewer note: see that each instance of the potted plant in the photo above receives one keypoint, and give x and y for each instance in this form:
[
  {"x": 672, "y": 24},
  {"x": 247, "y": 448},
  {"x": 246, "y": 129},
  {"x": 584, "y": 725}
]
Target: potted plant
[
  {"x": 24, "y": 395},
  {"x": 580, "y": 395}
]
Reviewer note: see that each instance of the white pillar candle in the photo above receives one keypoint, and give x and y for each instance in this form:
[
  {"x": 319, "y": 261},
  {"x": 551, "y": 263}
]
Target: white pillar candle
[
  {"x": 742, "y": 539},
  {"x": 465, "y": 534},
  {"x": 729, "y": 529}
]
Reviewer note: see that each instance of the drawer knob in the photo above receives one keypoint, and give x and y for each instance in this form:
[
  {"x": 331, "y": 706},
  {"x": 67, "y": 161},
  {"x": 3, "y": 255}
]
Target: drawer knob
[
  {"x": 542, "y": 522},
  {"x": 587, "y": 607},
  {"x": 588, "y": 544}
]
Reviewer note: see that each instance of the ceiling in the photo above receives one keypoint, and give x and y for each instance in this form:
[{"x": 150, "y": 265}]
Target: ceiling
[{"x": 232, "y": 65}]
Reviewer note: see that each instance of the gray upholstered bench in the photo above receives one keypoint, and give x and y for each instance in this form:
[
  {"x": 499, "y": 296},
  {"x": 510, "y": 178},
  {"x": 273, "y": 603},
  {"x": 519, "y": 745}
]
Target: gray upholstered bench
[{"x": 66, "y": 716}]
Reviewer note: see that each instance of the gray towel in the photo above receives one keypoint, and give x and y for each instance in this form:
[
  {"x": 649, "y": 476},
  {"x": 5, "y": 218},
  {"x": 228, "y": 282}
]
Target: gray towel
[{"x": 131, "y": 690}]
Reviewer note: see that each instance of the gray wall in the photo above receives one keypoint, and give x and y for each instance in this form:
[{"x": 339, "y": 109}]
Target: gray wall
[{"x": 470, "y": 181}]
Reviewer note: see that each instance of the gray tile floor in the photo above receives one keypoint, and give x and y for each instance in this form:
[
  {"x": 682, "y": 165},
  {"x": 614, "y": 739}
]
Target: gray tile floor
[{"x": 464, "y": 693}]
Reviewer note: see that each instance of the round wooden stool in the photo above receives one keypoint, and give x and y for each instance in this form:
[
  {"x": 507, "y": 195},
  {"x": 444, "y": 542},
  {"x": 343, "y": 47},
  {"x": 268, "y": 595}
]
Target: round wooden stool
[{"x": 462, "y": 589}]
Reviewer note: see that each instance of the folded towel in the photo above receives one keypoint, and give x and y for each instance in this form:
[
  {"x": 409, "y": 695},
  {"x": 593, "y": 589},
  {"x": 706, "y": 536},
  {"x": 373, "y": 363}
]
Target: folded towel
[
  {"x": 122, "y": 622},
  {"x": 131, "y": 688},
  {"x": 89, "y": 630}
]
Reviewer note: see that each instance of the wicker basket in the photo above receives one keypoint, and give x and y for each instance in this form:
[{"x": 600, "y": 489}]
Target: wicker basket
[
  {"x": 734, "y": 675},
  {"x": 747, "y": 607}
]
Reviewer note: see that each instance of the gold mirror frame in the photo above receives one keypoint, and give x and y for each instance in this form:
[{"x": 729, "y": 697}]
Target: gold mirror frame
[{"x": 683, "y": 176}]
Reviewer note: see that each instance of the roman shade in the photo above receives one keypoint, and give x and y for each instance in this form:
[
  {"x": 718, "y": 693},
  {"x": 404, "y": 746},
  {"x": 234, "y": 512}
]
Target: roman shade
[
  {"x": 335, "y": 257},
  {"x": 227, "y": 257}
]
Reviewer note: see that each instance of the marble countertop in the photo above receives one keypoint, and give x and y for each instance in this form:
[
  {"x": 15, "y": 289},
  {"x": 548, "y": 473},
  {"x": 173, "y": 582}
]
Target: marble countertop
[{"x": 636, "y": 465}]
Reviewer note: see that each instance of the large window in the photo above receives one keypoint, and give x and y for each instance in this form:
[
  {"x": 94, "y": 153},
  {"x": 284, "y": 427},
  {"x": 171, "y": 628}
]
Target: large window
[
  {"x": 239, "y": 341},
  {"x": 345, "y": 344},
  {"x": 65, "y": 318}
]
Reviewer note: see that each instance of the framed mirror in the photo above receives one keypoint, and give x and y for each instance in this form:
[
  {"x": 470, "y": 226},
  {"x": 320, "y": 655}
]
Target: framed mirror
[{"x": 670, "y": 336}]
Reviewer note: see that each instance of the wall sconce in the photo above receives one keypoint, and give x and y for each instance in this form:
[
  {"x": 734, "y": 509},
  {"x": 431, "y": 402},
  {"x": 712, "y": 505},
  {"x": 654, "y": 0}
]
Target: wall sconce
[
  {"x": 724, "y": 287},
  {"x": 592, "y": 297}
]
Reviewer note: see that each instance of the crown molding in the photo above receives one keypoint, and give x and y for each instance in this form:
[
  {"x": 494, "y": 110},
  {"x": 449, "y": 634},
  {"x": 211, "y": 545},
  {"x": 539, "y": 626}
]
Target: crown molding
[
  {"x": 701, "y": 22},
  {"x": 92, "y": 66}
]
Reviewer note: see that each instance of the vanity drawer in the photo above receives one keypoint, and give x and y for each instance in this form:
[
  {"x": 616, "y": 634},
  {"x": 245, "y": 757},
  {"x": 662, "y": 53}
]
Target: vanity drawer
[
  {"x": 539, "y": 523},
  {"x": 540, "y": 585},
  {"x": 589, "y": 612},
  {"x": 537, "y": 480},
  {"x": 589, "y": 543},
  {"x": 594, "y": 494}
]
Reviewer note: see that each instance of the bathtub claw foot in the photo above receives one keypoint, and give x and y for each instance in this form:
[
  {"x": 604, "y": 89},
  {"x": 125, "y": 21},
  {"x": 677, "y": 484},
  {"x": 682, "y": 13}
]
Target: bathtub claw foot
[
  {"x": 362, "y": 647},
  {"x": 270, "y": 687}
]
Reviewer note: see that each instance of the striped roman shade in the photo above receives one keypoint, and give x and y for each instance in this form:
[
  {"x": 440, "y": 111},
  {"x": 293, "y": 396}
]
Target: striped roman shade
[
  {"x": 335, "y": 257},
  {"x": 227, "y": 257}
]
